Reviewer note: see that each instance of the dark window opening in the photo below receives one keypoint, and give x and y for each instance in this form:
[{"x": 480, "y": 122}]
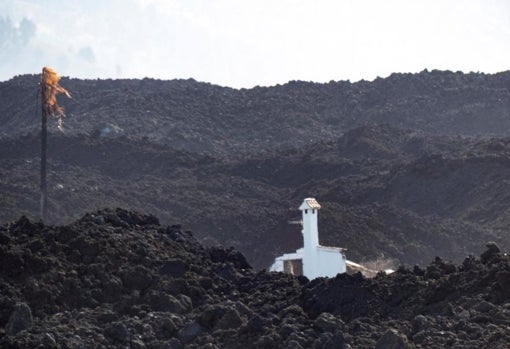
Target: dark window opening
[{"x": 293, "y": 266}]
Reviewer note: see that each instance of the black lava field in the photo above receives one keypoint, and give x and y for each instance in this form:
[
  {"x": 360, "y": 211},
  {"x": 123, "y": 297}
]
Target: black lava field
[
  {"x": 117, "y": 279},
  {"x": 411, "y": 170}
]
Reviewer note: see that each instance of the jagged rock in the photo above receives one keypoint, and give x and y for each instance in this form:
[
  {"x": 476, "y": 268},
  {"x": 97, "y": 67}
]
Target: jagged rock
[
  {"x": 94, "y": 303},
  {"x": 337, "y": 341},
  {"x": 326, "y": 322},
  {"x": 208, "y": 346},
  {"x": 254, "y": 326},
  {"x": 165, "y": 327},
  {"x": 20, "y": 320},
  {"x": 219, "y": 255},
  {"x": 4, "y": 238},
  {"x": 499, "y": 291},
  {"x": 174, "y": 343},
  {"x": 391, "y": 339},
  {"x": 210, "y": 316},
  {"x": 174, "y": 268},
  {"x": 189, "y": 332},
  {"x": 491, "y": 253},
  {"x": 293, "y": 345},
  {"x": 293, "y": 310},
  {"x": 269, "y": 341},
  {"x": 298, "y": 337},
  {"x": 137, "y": 344},
  {"x": 165, "y": 302},
  {"x": 138, "y": 277},
  {"x": 484, "y": 307},
  {"x": 230, "y": 320},
  {"x": 419, "y": 322},
  {"x": 49, "y": 341},
  {"x": 118, "y": 332}
]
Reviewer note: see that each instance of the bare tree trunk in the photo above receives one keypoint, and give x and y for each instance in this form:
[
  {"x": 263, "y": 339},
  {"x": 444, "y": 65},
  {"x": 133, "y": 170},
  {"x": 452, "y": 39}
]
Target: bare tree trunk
[
  {"x": 50, "y": 88},
  {"x": 44, "y": 191}
]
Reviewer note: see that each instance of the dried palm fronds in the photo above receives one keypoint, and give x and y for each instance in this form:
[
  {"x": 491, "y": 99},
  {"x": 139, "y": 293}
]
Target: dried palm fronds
[{"x": 50, "y": 87}]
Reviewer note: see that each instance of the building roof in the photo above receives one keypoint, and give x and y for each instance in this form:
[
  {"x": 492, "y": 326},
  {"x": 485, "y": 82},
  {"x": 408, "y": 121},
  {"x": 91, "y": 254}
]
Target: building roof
[{"x": 310, "y": 204}]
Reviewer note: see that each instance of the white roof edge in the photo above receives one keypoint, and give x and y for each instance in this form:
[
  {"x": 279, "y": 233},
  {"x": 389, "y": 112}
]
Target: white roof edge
[
  {"x": 331, "y": 248},
  {"x": 297, "y": 255},
  {"x": 354, "y": 264}
]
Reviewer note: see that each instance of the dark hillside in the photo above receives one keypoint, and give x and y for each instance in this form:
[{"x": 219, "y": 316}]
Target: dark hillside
[
  {"x": 386, "y": 192},
  {"x": 406, "y": 167},
  {"x": 201, "y": 117}
]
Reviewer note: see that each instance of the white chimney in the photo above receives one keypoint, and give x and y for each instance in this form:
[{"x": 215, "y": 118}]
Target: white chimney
[{"x": 310, "y": 208}]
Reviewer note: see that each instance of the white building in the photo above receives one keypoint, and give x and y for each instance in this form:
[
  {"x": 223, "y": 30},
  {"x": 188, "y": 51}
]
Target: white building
[{"x": 312, "y": 260}]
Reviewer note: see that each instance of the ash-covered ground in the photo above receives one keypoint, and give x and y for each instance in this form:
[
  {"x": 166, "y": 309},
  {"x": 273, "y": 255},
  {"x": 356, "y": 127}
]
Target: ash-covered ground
[{"x": 119, "y": 279}]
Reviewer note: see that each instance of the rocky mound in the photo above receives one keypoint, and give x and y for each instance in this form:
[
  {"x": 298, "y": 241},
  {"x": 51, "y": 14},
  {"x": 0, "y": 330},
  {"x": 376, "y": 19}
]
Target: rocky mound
[{"x": 120, "y": 279}]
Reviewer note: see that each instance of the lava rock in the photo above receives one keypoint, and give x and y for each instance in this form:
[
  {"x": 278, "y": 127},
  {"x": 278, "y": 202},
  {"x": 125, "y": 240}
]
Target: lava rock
[
  {"x": 20, "y": 320},
  {"x": 391, "y": 339},
  {"x": 189, "y": 332},
  {"x": 120, "y": 297},
  {"x": 491, "y": 253},
  {"x": 174, "y": 268},
  {"x": 118, "y": 332},
  {"x": 230, "y": 320}
]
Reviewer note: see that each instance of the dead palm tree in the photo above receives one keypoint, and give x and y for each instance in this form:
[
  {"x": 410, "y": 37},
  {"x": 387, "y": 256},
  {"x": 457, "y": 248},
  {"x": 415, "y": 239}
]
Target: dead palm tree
[{"x": 50, "y": 88}]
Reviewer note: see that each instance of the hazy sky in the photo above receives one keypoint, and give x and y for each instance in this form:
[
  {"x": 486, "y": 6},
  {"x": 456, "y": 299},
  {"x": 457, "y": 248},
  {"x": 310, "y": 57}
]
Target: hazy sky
[{"x": 244, "y": 43}]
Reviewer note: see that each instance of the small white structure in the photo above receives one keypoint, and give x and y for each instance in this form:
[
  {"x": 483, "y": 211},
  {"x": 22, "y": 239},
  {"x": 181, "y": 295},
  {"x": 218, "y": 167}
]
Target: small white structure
[{"x": 312, "y": 260}]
